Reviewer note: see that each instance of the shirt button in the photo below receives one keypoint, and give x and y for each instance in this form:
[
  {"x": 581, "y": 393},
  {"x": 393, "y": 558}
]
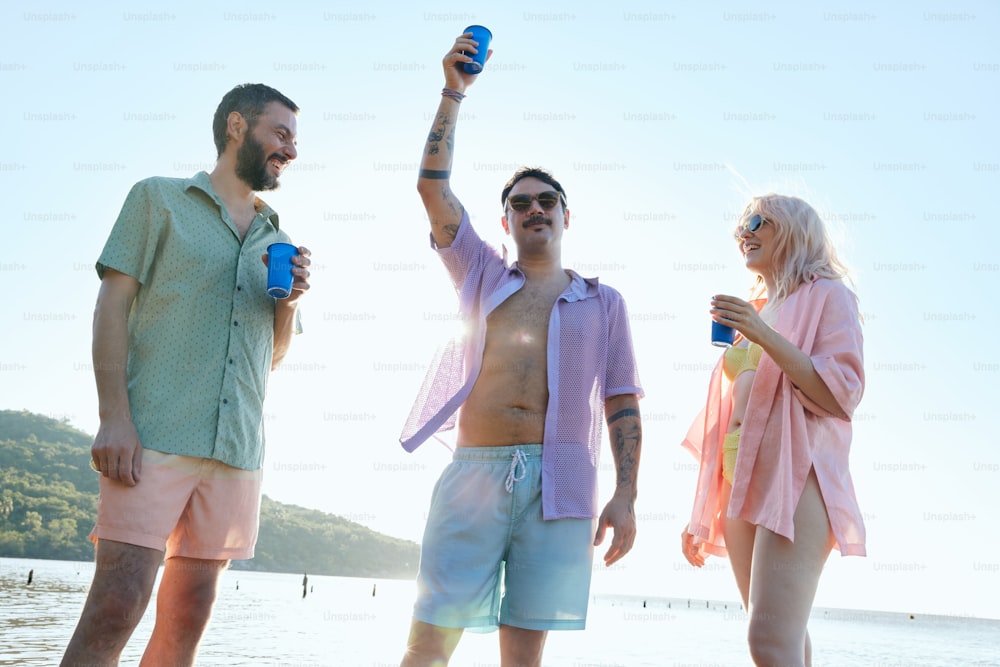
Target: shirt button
[
  {"x": 236, "y": 324},
  {"x": 225, "y": 401},
  {"x": 239, "y": 289},
  {"x": 230, "y": 361}
]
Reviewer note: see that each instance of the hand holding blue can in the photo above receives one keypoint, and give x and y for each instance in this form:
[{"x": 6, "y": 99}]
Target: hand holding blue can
[
  {"x": 482, "y": 36},
  {"x": 722, "y": 336},
  {"x": 279, "y": 269}
]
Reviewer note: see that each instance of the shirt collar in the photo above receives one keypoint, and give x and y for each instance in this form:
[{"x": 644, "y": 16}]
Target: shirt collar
[
  {"x": 202, "y": 182},
  {"x": 579, "y": 288}
]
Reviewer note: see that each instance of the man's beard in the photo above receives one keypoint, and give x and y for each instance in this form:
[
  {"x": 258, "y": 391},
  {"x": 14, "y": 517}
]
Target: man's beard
[{"x": 252, "y": 166}]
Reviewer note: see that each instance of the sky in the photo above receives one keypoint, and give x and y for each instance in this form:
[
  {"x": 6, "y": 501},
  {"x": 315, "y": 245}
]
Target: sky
[{"x": 661, "y": 120}]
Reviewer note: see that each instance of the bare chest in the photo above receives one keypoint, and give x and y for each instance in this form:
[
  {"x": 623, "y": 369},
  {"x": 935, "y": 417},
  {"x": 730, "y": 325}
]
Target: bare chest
[
  {"x": 523, "y": 319},
  {"x": 508, "y": 402},
  {"x": 521, "y": 312}
]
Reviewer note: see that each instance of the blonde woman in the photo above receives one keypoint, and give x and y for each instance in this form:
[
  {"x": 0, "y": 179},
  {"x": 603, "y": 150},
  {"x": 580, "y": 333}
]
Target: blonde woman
[{"x": 774, "y": 492}]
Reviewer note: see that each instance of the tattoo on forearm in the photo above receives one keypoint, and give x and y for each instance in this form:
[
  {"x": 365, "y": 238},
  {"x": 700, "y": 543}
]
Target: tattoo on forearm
[
  {"x": 450, "y": 142},
  {"x": 626, "y": 442},
  {"x": 627, "y": 412},
  {"x": 439, "y": 174},
  {"x": 437, "y": 134}
]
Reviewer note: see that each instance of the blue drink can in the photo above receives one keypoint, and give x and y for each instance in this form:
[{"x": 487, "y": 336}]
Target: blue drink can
[
  {"x": 279, "y": 269},
  {"x": 722, "y": 336},
  {"x": 482, "y": 36}
]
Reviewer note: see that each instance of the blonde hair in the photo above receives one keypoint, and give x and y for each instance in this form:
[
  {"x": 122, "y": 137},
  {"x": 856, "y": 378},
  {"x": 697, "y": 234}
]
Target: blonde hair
[{"x": 803, "y": 250}]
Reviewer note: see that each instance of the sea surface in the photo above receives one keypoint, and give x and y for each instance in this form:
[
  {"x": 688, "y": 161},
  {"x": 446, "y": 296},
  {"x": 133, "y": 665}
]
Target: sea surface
[{"x": 262, "y": 619}]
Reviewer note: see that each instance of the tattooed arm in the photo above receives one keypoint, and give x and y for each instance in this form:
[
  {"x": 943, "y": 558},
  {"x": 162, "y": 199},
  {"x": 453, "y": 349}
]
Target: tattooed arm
[
  {"x": 625, "y": 431},
  {"x": 434, "y": 181}
]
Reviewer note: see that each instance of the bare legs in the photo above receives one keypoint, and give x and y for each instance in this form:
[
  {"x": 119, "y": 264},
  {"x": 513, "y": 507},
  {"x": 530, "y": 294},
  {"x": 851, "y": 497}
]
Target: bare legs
[
  {"x": 520, "y": 647},
  {"x": 123, "y": 583},
  {"x": 778, "y": 578},
  {"x": 432, "y": 646},
  {"x": 183, "y": 609}
]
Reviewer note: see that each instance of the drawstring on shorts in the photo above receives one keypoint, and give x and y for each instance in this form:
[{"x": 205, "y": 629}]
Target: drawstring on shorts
[{"x": 512, "y": 476}]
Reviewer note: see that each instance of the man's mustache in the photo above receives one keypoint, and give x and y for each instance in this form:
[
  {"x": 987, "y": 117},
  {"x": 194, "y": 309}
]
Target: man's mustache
[{"x": 536, "y": 219}]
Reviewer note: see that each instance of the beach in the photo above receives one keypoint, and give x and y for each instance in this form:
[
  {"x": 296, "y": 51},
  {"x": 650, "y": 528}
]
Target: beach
[{"x": 262, "y": 618}]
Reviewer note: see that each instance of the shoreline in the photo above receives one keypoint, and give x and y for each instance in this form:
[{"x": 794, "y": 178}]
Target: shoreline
[{"x": 652, "y": 601}]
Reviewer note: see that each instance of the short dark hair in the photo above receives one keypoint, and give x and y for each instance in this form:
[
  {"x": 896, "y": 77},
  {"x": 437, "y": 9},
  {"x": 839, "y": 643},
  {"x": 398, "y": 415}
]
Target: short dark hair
[
  {"x": 531, "y": 172},
  {"x": 249, "y": 100}
]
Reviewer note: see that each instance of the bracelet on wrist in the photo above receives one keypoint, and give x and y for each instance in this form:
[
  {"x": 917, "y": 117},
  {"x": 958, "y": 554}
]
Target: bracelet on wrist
[{"x": 453, "y": 94}]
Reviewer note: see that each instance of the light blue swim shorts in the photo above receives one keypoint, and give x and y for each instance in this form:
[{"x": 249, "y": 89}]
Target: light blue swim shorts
[{"x": 488, "y": 558}]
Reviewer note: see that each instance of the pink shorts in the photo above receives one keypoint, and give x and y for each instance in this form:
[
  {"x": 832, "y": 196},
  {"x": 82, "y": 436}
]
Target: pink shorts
[{"x": 184, "y": 506}]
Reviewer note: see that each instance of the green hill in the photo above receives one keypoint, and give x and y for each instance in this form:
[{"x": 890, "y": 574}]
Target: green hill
[{"x": 48, "y": 503}]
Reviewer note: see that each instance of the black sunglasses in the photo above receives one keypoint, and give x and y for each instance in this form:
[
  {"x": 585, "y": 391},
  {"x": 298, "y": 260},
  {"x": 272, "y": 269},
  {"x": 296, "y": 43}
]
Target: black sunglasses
[
  {"x": 547, "y": 200},
  {"x": 752, "y": 225}
]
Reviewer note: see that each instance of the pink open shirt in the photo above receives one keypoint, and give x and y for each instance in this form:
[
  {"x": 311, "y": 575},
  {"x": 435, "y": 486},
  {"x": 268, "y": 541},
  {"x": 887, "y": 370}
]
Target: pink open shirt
[{"x": 785, "y": 434}]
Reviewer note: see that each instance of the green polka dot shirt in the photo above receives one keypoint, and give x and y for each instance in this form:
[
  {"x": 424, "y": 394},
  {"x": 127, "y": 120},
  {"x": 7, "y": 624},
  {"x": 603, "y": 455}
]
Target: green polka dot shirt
[{"x": 201, "y": 327}]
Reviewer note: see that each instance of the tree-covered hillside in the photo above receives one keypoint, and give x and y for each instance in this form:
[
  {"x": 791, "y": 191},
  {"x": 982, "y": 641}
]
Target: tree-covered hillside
[{"x": 48, "y": 502}]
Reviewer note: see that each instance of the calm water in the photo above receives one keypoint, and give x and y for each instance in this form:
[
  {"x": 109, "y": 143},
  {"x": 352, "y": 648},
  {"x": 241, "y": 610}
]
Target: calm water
[{"x": 262, "y": 619}]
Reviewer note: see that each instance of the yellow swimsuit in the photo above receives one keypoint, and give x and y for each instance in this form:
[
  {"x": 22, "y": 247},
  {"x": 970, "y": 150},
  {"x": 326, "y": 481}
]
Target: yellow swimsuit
[{"x": 735, "y": 361}]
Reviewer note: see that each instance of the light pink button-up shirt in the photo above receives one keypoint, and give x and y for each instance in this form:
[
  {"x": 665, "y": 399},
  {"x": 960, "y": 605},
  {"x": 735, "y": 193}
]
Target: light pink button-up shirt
[{"x": 785, "y": 434}]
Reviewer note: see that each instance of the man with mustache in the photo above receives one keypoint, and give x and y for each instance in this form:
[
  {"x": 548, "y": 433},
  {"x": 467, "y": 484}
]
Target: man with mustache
[
  {"x": 185, "y": 335},
  {"x": 547, "y": 354}
]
